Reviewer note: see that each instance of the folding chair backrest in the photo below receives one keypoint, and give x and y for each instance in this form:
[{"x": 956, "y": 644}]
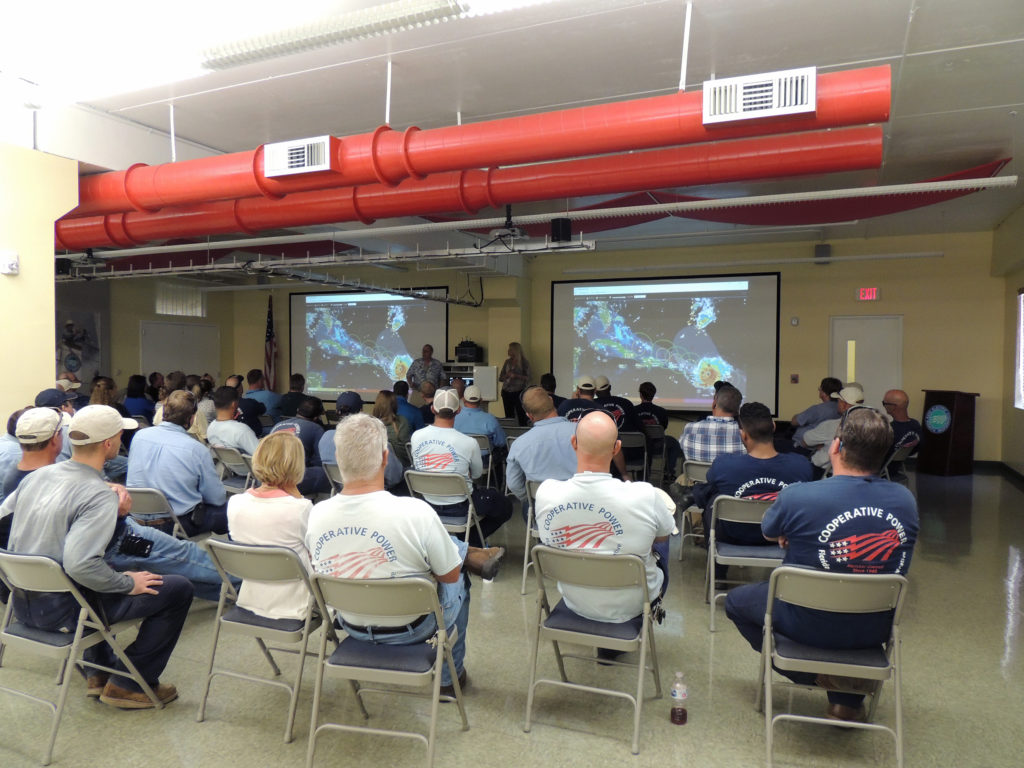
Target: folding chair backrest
[
  {"x": 436, "y": 483},
  {"x": 838, "y": 592},
  {"x": 590, "y": 569},
  {"x": 143, "y": 420},
  {"x": 531, "y": 489},
  {"x": 333, "y": 473},
  {"x": 739, "y": 510},
  {"x": 897, "y": 457},
  {"x": 515, "y": 431},
  {"x": 654, "y": 431},
  {"x": 256, "y": 562},
  {"x": 149, "y": 501},
  {"x": 696, "y": 471},
  {"x": 233, "y": 459},
  {"x": 484, "y": 442},
  {"x": 34, "y": 573},
  {"x": 380, "y": 598},
  {"x": 633, "y": 439}
]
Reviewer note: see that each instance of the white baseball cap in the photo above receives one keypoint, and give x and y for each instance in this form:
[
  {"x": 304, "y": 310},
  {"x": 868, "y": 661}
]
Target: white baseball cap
[
  {"x": 851, "y": 395},
  {"x": 472, "y": 394},
  {"x": 446, "y": 399},
  {"x": 601, "y": 382},
  {"x": 96, "y": 423},
  {"x": 37, "y": 425}
]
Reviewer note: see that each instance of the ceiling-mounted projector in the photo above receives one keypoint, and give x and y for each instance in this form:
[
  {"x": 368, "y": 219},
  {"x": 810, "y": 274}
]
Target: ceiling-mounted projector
[{"x": 503, "y": 232}]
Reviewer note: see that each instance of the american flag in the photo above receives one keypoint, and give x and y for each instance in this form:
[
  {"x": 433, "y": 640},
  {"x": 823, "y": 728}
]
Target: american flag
[{"x": 270, "y": 349}]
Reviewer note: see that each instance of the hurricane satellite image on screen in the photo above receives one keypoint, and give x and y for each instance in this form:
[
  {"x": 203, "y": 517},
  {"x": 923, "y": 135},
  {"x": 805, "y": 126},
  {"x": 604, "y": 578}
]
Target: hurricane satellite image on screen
[
  {"x": 676, "y": 349},
  {"x": 334, "y": 345}
]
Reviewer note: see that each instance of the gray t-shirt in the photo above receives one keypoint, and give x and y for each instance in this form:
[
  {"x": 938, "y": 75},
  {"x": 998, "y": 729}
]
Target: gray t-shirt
[{"x": 66, "y": 511}]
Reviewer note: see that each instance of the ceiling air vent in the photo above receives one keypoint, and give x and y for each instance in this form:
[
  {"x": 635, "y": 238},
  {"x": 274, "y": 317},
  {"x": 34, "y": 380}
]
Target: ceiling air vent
[
  {"x": 298, "y": 156},
  {"x": 752, "y": 97}
]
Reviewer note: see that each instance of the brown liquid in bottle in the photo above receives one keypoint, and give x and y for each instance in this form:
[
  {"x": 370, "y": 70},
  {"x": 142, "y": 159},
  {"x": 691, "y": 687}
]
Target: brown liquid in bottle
[{"x": 679, "y": 715}]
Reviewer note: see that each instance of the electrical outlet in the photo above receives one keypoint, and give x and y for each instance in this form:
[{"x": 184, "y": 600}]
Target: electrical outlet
[{"x": 9, "y": 264}]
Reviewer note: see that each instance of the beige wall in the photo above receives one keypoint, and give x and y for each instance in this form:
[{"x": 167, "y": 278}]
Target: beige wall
[
  {"x": 35, "y": 190},
  {"x": 1008, "y": 260}
]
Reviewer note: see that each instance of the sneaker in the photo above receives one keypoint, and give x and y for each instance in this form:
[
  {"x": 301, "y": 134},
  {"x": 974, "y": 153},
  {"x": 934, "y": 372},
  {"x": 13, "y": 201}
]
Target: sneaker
[
  {"x": 449, "y": 690},
  {"x": 94, "y": 684},
  {"x": 844, "y": 713},
  {"x": 606, "y": 655},
  {"x": 484, "y": 562},
  {"x": 683, "y": 497},
  {"x": 115, "y": 696}
]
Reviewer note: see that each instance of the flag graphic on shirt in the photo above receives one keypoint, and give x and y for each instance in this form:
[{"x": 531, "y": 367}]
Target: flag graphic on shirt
[
  {"x": 864, "y": 549},
  {"x": 436, "y": 462},
  {"x": 763, "y": 496},
  {"x": 270, "y": 349},
  {"x": 582, "y": 535},
  {"x": 355, "y": 565}
]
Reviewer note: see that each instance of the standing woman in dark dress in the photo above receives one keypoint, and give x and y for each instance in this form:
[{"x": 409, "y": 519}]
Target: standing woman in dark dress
[{"x": 514, "y": 378}]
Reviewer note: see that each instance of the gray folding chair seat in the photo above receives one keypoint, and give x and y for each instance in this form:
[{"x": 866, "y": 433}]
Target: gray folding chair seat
[
  {"x": 35, "y": 573},
  {"x": 839, "y": 593},
  {"x": 417, "y": 666},
  {"x": 265, "y": 564},
  {"x": 562, "y": 625}
]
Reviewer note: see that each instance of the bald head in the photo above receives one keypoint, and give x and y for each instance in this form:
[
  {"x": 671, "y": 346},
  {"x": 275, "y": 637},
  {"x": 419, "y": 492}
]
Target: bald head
[
  {"x": 538, "y": 404},
  {"x": 895, "y": 403},
  {"x": 596, "y": 441}
]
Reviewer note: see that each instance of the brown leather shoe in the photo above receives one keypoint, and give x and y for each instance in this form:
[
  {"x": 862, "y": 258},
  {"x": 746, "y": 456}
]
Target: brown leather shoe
[
  {"x": 118, "y": 697},
  {"x": 484, "y": 562},
  {"x": 94, "y": 684},
  {"x": 848, "y": 684},
  {"x": 449, "y": 690},
  {"x": 844, "y": 713}
]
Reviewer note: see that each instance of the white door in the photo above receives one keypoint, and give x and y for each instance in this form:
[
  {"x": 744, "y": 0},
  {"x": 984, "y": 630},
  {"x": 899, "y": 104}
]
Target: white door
[{"x": 868, "y": 349}]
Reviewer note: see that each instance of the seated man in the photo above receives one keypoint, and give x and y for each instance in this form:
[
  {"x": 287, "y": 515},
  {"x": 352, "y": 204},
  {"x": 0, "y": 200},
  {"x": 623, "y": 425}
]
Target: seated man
[
  {"x": 304, "y": 425},
  {"x": 439, "y": 447},
  {"x": 290, "y": 401},
  {"x": 10, "y": 448},
  {"x": 226, "y": 431},
  {"x": 718, "y": 433},
  {"x": 66, "y": 511},
  {"x": 906, "y": 432},
  {"x": 258, "y": 392},
  {"x": 819, "y": 439},
  {"x": 594, "y": 512},
  {"x": 543, "y": 452},
  {"x": 472, "y": 420},
  {"x": 405, "y": 409},
  {"x": 853, "y": 522},
  {"x": 40, "y": 438},
  {"x": 167, "y": 458},
  {"x": 427, "y": 391},
  {"x": 249, "y": 409},
  {"x": 365, "y": 532},
  {"x": 650, "y": 414},
  {"x": 582, "y": 401},
  {"x": 549, "y": 384},
  {"x": 811, "y": 417}
]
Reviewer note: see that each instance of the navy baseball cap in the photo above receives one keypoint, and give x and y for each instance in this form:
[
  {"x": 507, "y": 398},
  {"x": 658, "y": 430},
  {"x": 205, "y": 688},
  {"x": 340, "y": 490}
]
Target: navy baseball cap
[
  {"x": 54, "y": 398},
  {"x": 349, "y": 402}
]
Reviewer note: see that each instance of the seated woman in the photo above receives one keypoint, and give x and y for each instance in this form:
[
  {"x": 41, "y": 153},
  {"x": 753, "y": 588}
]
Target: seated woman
[
  {"x": 135, "y": 400},
  {"x": 274, "y": 514},
  {"x": 385, "y": 408}
]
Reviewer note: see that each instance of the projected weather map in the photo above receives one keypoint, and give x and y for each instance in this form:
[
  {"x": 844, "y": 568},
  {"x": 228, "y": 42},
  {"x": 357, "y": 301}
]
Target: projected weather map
[
  {"x": 682, "y": 335},
  {"x": 364, "y": 341}
]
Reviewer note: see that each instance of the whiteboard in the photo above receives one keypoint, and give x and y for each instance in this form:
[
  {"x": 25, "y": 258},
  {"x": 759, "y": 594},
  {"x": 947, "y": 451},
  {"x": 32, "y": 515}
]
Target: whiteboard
[{"x": 188, "y": 347}]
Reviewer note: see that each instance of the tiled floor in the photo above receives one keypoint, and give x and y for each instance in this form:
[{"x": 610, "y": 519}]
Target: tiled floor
[{"x": 963, "y": 699}]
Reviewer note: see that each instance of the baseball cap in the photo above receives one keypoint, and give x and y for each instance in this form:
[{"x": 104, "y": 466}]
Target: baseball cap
[
  {"x": 54, "y": 398},
  {"x": 37, "y": 425},
  {"x": 446, "y": 400},
  {"x": 849, "y": 395},
  {"x": 584, "y": 382},
  {"x": 601, "y": 382},
  {"x": 96, "y": 423},
  {"x": 350, "y": 402},
  {"x": 67, "y": 384},
  {"x": 472, "y": 394}
]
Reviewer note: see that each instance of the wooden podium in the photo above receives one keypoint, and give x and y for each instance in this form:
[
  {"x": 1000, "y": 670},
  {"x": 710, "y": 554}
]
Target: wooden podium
[{"x": 947, "y": 434}]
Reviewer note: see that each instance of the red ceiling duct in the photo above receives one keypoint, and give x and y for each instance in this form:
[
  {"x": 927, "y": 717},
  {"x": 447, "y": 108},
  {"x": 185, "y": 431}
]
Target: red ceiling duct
[
  {"x": 388, "y": 157},
  {"x": 469, "y": 191}
]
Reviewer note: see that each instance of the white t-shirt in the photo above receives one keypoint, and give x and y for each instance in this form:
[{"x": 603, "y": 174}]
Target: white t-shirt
[
  {"x": 441, "y": 449},
  {"x": 594, "y": 512},
  {"x": 378, "y": 536},
  {"x": 232, "y": 434},
  {"x": 278, "y": 520}
]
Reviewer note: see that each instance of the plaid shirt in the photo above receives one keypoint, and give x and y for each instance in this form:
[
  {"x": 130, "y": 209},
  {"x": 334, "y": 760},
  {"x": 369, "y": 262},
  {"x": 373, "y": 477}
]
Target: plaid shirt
[{"x": 715, "y": 435}]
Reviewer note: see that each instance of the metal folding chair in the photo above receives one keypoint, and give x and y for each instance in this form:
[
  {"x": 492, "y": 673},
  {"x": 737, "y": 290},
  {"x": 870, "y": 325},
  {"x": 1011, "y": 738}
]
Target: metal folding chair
[
  {"x": 693, "y": 472},
  {"x": 768, "y": 555},
  {"x": 514, "y": 430},
  {"x": 414, "y": 666},
  {"x": 839, "y": 593},
  {"x": 36, "y": 573},
  {"x": 898, "y": 457},
  {"x": 238, "y": 463},
  {"x": 334, "y": 475},
  {"x": 655, "y": 434},
  {"x": 531, "y": 529},
  {"x": 446, "y": 484},
  {"x": 272, "y": 565},
  {"x": 560, "y": 625},
  {"x": 486, "y": 449},
  {"x": 638, "y": 441},
  {"x": 150, "y": 504}
]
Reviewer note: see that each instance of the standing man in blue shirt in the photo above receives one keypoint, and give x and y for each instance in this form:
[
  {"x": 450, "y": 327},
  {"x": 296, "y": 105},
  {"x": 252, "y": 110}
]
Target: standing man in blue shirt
[
  {"x": 258, "y": 391},
  {"x": 167, "y": 458}
]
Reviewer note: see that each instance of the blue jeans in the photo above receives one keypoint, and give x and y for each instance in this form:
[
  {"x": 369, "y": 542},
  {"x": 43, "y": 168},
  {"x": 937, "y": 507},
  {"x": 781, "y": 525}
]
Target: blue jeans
[
  {"x": 169, "y": 555},
  {"x": 454, "y": 599}
]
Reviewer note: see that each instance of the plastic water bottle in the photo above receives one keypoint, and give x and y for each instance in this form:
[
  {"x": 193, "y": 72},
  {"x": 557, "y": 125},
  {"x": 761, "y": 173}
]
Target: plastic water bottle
[{"x": 679, "y": 694}]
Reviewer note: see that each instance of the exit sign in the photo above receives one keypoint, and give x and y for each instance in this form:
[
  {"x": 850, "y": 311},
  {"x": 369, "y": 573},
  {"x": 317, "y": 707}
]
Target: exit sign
[{"x": 868, "y": 294}]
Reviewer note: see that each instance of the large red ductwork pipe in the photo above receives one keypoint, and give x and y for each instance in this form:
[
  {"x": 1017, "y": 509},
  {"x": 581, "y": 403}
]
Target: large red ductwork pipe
[
  {"x": 469, "y": 191},
  {"x": 388, "y": 157}
]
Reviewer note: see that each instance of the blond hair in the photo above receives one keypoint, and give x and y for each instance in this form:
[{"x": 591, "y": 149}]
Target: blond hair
[{"x": 279, "y": 460}]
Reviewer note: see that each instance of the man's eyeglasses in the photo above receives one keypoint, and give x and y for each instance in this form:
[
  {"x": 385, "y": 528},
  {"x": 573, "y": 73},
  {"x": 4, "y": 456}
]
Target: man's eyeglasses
[{"x": 842, "y": 420}]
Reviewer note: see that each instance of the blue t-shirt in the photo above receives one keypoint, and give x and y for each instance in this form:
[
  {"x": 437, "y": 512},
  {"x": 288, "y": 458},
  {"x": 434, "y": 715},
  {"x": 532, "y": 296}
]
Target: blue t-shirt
[
  {"x": 843, "y": 524},
  {"x": 309, "y": 432}
]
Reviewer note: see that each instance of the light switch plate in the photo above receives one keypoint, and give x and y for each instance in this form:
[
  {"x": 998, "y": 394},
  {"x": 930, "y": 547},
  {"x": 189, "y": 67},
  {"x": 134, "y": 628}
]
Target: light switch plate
[{"x": 9, "y": 263}]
